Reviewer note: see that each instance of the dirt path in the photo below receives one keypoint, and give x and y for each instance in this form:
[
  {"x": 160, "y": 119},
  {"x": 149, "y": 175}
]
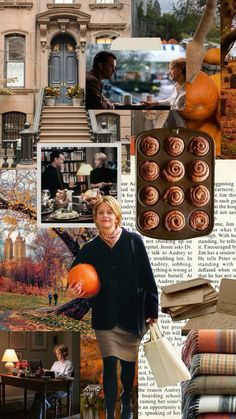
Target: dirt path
[{"x": 12, "y": 320}]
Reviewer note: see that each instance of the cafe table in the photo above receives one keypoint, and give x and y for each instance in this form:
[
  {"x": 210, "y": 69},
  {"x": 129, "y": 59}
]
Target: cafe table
[{"x": 40, "y": 385}]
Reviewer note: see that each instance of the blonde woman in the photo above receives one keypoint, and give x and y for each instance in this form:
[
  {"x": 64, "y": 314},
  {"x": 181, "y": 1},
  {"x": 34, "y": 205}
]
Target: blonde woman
[{"x": 123, "y": 266}]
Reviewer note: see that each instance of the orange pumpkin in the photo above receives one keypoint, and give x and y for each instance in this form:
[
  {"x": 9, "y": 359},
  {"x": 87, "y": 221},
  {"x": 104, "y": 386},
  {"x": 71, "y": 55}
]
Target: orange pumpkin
[
  {"x": 212, "y": 56},
  {"x": 87, "y": 276},
  {"x": 194, "y": 124},
  {"x": 201, "y": 98},
  {"x": 173, "y": 41},
  {"x": 217, "y": 80},
  {"x": 214, "y": 131}
]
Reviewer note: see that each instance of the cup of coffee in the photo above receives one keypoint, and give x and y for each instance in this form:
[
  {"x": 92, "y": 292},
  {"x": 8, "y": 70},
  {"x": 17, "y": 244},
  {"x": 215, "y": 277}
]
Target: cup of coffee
[
  {"x": 149, "y": 98},
  {"x": 126, "y": 100}
]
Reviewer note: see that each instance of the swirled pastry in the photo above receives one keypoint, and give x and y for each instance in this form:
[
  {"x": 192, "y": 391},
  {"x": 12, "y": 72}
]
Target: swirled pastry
[
  {"x": 174, "y": 221},
  {"x": 199, "y": 171},
  {"x": 149, "y": 146},
  {"x": 149, "y": 220},
  {"x": 174, "y": 146},
  {"x": 199, "y": 146},
  {"x": 174, "y": 171},
  {"x": 174, "y": 195},
  {"x": 149, "y": 195},
  {"x": 149, "y": 170},
  {"x": 199, "y": 196},
  {"x": 199, "y": 220}
]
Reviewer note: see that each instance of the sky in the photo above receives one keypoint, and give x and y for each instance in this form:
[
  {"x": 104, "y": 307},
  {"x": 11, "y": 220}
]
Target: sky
[{"x": 166, "y": 5}]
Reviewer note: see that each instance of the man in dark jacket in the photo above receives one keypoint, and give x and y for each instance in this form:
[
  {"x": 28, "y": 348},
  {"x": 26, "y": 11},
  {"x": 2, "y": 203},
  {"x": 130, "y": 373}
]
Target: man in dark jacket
[{"x": 104, "y": 66}]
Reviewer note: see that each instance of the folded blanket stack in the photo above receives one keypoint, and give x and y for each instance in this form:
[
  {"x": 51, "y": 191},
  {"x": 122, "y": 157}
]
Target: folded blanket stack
[{"x": 211, "y": 358}]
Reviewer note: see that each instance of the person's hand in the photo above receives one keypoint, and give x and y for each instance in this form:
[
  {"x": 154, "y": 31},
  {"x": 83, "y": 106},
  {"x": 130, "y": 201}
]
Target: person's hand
[
  {"x": 150, "y": 105},
  {"x": 77, "y": 288},
  {"x": 151, "y": 320}
]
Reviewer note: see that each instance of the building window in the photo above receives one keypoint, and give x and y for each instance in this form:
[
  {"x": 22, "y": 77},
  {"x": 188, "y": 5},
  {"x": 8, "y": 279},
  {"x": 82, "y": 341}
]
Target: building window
[
  {"x": 15, "y": 60},
  {"x": 113, "y": 124},
  {"x": 105, "y": 39},
  {"x": 12, "y": 124}
]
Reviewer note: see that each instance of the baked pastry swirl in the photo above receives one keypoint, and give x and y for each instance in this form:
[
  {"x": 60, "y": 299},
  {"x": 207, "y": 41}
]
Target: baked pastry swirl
[
  {"x": 174, "y": 146},
  {"x": 174, "y": 195},
  {"x": 199, "y": 196},
  {"x": 149, "y": 146},
  {"x": 149, "y": 195},
  {"x": 199, "y": 146},
  {"x": 149, "y": 170},
  {"x": 149, "y": 220},
  {"x": 199, "y": 220},
  {"x": 199, "y": 171},
  {"x": 174, "y": 171},
  {"x": 174, "y": 221}
]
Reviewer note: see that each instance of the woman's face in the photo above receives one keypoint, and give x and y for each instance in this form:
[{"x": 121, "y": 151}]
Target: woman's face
[
  {"x": 59, "y": 355},
  {"x": 174, "y": 72},
  {"x": 97, "y": 162},
  {"x": 105, "y": 217}
]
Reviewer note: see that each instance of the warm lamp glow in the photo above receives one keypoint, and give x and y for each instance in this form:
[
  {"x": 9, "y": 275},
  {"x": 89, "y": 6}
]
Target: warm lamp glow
[
  {"x": 9, "y": 357},
  {"x": 84, "y": 170}
]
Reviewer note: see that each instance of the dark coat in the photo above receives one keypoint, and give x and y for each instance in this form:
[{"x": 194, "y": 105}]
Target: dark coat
[
  {"x": 103, "y": 174},
  {"x": 94, "y": 96},
  {"x": 119, "y": 271},
  {"x": 52, "y": 180}
]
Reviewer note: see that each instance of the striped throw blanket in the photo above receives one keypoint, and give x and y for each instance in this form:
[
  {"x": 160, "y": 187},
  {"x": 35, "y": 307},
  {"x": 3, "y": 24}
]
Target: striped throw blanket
[
  {"x": 209, "y": 384},
  {"x": 202, "y": 405},
  {"x": 217, "y": 416},
  {"x": 209, "y": 341},
  {"x": 213, "y": 364}
]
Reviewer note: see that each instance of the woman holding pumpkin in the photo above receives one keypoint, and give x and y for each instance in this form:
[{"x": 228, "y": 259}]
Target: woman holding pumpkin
[{"x": 125, "y": 273}]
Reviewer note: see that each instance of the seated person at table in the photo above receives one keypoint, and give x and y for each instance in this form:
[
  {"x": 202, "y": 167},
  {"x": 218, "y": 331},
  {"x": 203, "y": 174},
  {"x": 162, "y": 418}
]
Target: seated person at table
[
  {"x": 104, "y": 66},
  {"x": 177, "y": 73},
  {"x": 102, "y": 177},
  {"x": 62, "y": 368}
]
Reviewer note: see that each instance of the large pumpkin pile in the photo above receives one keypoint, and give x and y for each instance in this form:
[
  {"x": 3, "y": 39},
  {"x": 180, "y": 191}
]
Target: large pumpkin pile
[{"x": 202, "y": 110}]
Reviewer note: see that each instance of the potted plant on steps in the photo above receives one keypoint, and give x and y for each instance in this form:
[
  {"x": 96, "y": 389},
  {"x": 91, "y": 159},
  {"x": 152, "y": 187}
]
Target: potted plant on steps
[
  {"x": 50, "y": 95},
  {"x": 76, "y": 93}
]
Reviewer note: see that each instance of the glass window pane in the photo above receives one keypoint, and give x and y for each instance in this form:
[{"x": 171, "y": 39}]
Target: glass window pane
[
  {"x": 105, "y": 1},
  {"x": 16, "y": 47},
  {"x": 103, "y": 40},
  {"x": 63, "y": 1},
  {"x": 15, "y": 71}
]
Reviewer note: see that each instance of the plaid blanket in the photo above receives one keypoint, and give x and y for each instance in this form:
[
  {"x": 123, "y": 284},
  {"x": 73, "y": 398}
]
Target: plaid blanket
[
  {"x": 209, "y": 405},
  {"x": 213, "y": 364},
  {"x": 209, "y": 341},
  {"x": 217, "y": 416},
  {"x": 209, "y": 384}
]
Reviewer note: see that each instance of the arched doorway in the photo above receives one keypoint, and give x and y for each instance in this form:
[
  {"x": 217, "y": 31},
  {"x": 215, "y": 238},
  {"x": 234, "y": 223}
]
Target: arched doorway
[{"x": 63, "y": 66}]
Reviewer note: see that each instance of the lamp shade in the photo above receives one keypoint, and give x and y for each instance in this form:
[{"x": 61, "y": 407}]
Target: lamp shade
[
  {"x": 84, "y": 170},
  {"x": 10, "y": 356}
]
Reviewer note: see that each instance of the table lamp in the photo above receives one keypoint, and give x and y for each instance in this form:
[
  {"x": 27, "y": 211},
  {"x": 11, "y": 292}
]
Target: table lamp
[
  {"x": 84, "y": 170},
  {"x": 9, "y": 357}
]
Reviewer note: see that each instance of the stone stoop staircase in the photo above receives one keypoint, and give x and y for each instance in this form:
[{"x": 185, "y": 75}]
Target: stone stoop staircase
[{"x": 65, "y": 123}]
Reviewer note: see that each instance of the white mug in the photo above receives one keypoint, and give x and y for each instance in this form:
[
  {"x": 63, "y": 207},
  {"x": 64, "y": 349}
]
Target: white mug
[
  {"x": 126, "y": 100},
  {"x": 149, "y": 98}
]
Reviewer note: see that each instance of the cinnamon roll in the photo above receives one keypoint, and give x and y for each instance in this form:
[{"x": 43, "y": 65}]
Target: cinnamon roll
[
  {"x": 149, "y": 170},
  {"x": 199, "y": 171},
  {"x": 149, "y": 146},
  {"x": 174, "y": 221},
  {"x": 199, "y": 220},
  {"x": 174, "y": 195},
  {"x": 149, "y": 195},
  {"x": 174, "y": 171},
  {"x": 174, "y": 146},
  {"x": 199, "y": 146},
  {"x": 149, "y": 220},
  {"x": 199, "y": 196}
]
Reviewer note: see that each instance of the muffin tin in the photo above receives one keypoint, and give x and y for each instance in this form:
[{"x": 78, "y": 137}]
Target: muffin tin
[{"x": 175, "y": 183}]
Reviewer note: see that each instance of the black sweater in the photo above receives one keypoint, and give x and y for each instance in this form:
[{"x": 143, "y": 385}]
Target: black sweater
[{"x": 119, "y": 271}]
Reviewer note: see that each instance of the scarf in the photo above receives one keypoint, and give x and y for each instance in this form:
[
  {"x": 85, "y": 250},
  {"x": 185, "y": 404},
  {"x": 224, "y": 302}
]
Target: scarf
[
  {"x": 112, "y": 238},
  {"x": 210, "y": 405}
]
